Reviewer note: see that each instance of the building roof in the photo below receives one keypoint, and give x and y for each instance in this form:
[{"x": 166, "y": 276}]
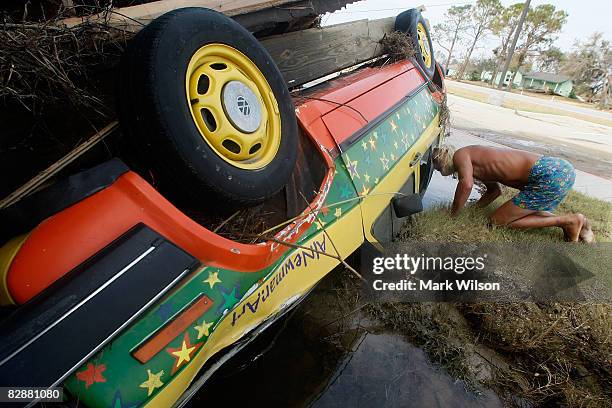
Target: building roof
[{"x": 545, "y": 76}]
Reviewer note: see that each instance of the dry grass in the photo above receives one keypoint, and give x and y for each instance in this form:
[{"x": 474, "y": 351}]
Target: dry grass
[
  {"x": 398, "y": 46},
  {"x": 472, "y": 225},
  {"x": 44, "y": 63},
  {"x": 554, "y": 354}
]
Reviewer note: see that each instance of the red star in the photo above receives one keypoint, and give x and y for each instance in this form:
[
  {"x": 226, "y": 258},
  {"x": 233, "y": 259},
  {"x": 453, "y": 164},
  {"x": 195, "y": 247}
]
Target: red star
[
  {"x": 92, "y": 374},
  {"x": 325, "y": 210},
  {"x": 183, "y": 353}
]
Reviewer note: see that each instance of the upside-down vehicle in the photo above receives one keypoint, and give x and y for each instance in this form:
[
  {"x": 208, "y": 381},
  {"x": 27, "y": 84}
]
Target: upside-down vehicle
[{"x": 123, "y": 299}]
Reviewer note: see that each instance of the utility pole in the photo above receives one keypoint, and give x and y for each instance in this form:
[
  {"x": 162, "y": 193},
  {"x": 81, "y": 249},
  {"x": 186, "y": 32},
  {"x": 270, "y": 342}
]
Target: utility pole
[{"x": 519, "y": 27}]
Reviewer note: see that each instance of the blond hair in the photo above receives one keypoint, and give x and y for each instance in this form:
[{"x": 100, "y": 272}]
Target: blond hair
[{"x": 443, "y": 159}]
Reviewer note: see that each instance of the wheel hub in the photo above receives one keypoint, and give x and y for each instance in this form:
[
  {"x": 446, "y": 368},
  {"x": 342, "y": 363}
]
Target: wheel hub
[{"x": 241, "y": 106}]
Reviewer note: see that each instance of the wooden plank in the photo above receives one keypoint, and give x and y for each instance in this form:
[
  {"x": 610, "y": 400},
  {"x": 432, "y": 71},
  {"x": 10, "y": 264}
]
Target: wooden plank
[
  {"x": 50, "y": 171},
  {"x": 132, "y": 18},
  {"x": 303, "y": 56}
]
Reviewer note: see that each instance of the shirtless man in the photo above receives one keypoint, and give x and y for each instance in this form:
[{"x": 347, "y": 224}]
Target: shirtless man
[{"x": 543, "y": 183}]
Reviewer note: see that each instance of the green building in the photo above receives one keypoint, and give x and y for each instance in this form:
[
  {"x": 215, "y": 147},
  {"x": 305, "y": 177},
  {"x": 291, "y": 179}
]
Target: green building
[{"x": 543, "y": 81}]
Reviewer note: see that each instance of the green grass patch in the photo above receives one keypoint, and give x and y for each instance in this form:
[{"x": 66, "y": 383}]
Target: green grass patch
[{"x": 472, "y": 224}]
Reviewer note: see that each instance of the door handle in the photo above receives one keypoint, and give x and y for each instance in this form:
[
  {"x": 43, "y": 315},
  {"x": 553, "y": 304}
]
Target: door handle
[{"x": 416, "y": 159}]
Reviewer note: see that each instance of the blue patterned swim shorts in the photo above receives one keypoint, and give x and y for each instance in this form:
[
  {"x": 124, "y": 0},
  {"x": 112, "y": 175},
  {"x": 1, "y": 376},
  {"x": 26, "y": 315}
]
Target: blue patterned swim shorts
[{"x": 549, "y": 182}]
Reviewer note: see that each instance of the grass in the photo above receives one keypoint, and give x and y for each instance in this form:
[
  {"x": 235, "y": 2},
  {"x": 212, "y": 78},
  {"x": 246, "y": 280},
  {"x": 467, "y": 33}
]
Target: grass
[
  {"x": 472, "y": 225},
  {"x": 536, "y": 354}
]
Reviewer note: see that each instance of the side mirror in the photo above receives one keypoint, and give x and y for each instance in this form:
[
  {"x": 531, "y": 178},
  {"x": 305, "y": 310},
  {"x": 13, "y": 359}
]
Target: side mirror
[{"x": 407, "y": 205}]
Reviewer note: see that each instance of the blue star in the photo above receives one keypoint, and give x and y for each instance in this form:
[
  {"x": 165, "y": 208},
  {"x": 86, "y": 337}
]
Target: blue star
[
  {"x": 367, "y": 159},
  {"x": 384, "y": 138},
  {"x": 118, "y": 402},
  {"x": 230, "y": 300},
  {"x": 164, "y": 311},
  {"x": 345, "y": 191}
]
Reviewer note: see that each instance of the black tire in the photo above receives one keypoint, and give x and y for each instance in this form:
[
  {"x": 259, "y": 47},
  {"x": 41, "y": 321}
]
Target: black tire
[
  {"x": 426, "y": 172},
  {"x": 407, "y": 22},
  {"x": 155, "y": 114}
]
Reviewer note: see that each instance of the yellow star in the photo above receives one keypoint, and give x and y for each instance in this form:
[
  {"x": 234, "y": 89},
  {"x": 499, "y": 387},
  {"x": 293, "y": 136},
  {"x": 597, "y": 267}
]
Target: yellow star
[
  {"x": 366, "y": 177},
  {"x": 338, "y": 212},
  {"x": 320, "y": 224},
  {"x": 373, "y": 144},
  {"x": 364, "y": 144},
  {"x": 184, "y": 354},
  {"x": 213, "y": 278},
  {"x": 365, "y": 190},
  {"x": 393, "y": 126},
  {"x": 202, "y": 329},
  {"x": 396, "y": 145},
  {"x": 152, "y": 382},
  {"x": 392, "y": 157}
]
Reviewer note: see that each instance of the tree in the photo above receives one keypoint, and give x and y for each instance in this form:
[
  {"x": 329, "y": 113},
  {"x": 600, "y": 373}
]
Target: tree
[
  {"x": 550, "y": 60},
  {"x": 504, "y": 26},
  {"x": 456, "y": 20},
  {"x": 541, "y": 25},
  {"x": 482, "y": 17},
  {"x": 589, "y": 64}
]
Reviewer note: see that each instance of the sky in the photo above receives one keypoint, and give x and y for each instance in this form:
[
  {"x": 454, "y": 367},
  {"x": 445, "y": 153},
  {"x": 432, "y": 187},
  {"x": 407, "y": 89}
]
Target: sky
[{"x": 584, "y": 16}]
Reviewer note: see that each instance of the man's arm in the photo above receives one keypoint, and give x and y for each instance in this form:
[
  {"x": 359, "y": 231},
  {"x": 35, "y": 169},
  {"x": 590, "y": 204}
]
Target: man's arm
[
  {"x": 493, "y": 191},
  {"x": 463, "y": 165}
]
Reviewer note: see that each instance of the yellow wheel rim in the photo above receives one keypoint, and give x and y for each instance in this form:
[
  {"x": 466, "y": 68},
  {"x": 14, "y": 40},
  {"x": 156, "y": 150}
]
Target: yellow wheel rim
[
  {"x": 424, "y": 44},
  {"x": 233, "y": 106}
]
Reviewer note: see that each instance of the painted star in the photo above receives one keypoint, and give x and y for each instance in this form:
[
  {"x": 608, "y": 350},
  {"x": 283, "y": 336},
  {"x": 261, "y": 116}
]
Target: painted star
[
  {"x": 395, "y": 145},
  {"x": 325, "y": 210},
  {"x": 230, "y": 299},
  {"x": 364, "y": 191},
  {"x": 202, "y": 329},
  {"x": 364, "y": 144},
  {"x": 406, "y": 142},
  {"x": 366, "y": 177},
  {"x": 393, "y": 126},
  {"x": 213, "y": 278},
  {"x": 385, "y": 161},
  {"x": 392, "y": 157},
  {"x": 164, "y": 311},
  {"x": 320, "y": 224},
  {"x": 345, "y": 191},
  {"x": 92, "y": 374},
  {"x": 372, "y": 144},
  {"x": 375, "y": 135},
  {"x": 397, "y": 115},
  {"x": 153, "y": 382},
  {"x": 383, "y": 138},
  {"x": 376, "y": 180},
  {"x": 183, "y": 353},
  {"x": 368, "y": 159},
  {"x": 351, "y": 166},
  {"x": 338, "y": 212},
  {"x": 118, "y": 401}
]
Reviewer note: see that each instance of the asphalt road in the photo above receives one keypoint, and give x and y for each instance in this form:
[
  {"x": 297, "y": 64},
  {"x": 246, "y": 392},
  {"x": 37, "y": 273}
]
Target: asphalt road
[
  {"x": 588, "y": 145},
  {"x": 556, "y": 103}
]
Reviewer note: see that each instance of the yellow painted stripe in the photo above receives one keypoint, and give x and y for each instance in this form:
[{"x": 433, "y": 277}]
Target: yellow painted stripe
[
  {"x": 347, "y": 236},
  {"x": 7, "y": 254}
]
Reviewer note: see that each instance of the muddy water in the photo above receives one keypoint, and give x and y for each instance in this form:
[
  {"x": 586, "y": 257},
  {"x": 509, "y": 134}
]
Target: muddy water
[{"x": 328, "y": 353}]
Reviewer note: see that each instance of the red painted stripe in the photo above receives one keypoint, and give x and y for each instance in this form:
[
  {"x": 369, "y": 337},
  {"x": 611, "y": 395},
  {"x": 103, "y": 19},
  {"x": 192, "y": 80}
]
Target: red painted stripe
[{"x": 167, "y": 333}]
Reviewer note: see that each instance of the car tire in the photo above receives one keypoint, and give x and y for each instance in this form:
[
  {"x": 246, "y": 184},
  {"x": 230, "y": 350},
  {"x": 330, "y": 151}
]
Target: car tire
[
  {"x": 207, "y": 109},
  {"x": 412, "y": 23}
]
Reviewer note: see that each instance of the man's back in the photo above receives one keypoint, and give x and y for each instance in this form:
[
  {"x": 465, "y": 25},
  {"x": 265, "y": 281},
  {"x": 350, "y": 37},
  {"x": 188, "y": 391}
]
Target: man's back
[{"x": 505, "y": 166}]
